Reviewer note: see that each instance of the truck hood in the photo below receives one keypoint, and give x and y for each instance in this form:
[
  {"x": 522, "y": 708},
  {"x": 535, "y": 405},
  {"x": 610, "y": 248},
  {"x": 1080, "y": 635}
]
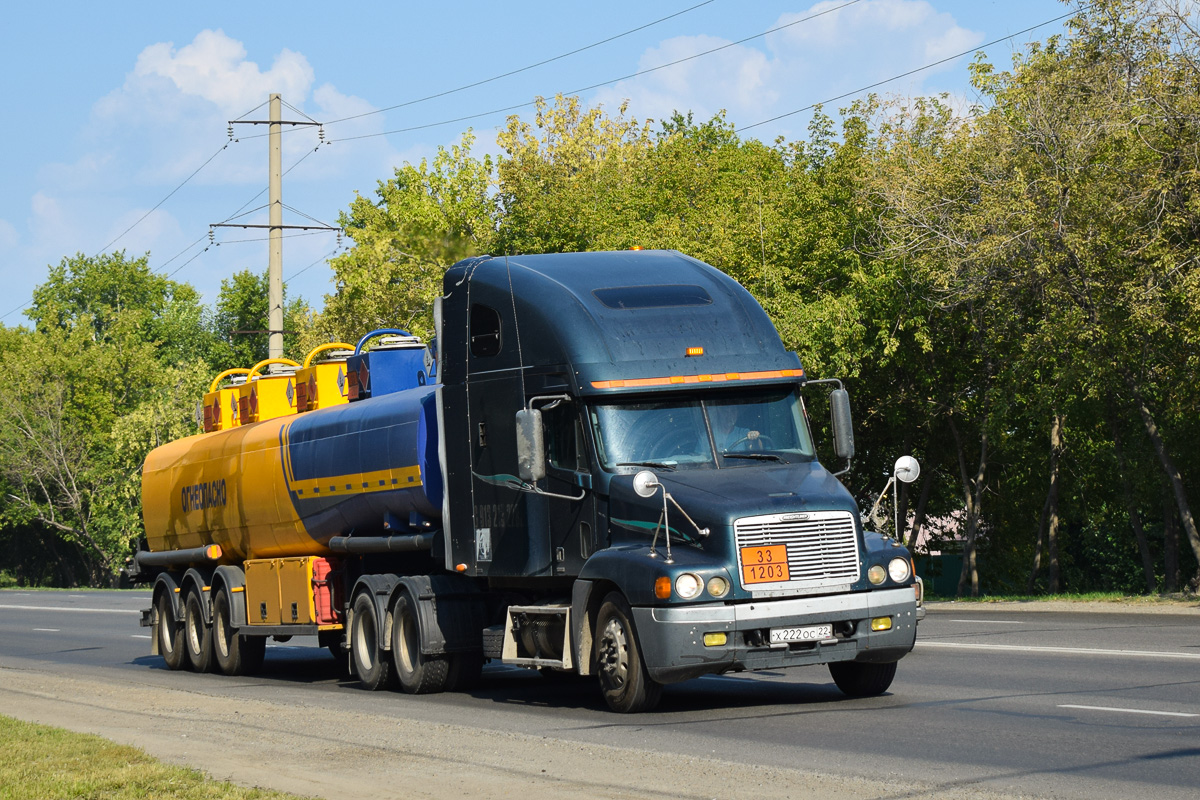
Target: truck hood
[{"x": 715, "y": 498}]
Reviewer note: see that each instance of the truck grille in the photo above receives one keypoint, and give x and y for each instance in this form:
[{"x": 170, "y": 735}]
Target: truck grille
[{"x": 822, "y": 550}]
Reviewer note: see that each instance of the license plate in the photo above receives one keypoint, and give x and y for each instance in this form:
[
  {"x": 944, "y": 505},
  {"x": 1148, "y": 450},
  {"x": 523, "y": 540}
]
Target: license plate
[
  {"x": 808, "y": 633},
  {"x": 764, "y": 564}
]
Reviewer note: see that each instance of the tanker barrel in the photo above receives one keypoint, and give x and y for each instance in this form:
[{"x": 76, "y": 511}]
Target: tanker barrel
[
  {"x": 382, "y": 544},
  {"x": 206, "y": 554}
]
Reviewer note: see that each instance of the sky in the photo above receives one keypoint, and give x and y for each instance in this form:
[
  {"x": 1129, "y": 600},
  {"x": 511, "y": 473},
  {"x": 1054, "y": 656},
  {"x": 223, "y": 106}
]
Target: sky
[{"x": 116, "y": 117}]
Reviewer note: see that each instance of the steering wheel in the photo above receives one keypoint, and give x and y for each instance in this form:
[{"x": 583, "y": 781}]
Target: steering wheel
[{"x": 752, "y": 441}]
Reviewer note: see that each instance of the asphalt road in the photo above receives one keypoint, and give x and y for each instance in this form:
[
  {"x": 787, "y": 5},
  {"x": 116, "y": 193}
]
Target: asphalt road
[{"x": 1046, "y": 704}]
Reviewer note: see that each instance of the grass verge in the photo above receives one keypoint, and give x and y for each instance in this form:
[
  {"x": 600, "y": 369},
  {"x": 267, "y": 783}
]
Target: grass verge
[{"x": 38, "y": 762}]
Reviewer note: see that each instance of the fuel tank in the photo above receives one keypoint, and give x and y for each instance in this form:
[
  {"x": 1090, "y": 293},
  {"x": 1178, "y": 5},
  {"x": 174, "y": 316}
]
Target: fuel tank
[{"x": 285, "y": 486}]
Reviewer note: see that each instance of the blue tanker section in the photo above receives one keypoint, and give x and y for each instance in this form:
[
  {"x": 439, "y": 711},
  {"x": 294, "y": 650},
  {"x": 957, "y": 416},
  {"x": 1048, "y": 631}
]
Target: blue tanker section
[{"x": 365, "y": 467}]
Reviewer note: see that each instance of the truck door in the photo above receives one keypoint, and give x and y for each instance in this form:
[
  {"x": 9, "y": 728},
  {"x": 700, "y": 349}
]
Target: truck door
[{"x": 572, "y": 522}]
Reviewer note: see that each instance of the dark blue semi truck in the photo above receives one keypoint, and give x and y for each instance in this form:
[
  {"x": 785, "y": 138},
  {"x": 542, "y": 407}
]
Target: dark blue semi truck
[
  {"x": 604, "y": 466},
  {"x": 628, "y": 461}
]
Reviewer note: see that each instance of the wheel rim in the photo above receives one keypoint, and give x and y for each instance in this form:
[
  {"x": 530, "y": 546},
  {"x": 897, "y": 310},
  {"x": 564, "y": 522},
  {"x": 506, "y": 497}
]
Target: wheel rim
[
  {"x": 166, "y": 628},
  {"x": 221, "y": 630},
  {"x": 407, "y": 655},
  {"x": 614, "y": 653},
  {"x": 194, "y": 634},
  {"x": 365, "y": 643}
]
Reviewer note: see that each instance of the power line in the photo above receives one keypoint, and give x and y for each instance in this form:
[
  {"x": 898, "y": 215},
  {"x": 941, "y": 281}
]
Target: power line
[
  {"x": 160, "y": 202},
  {"x": 910, "y": 72},
  {"x": 582, "y": 89},
  {"x": 519, "y": 70},
  {"x": 313, "y": 264}
]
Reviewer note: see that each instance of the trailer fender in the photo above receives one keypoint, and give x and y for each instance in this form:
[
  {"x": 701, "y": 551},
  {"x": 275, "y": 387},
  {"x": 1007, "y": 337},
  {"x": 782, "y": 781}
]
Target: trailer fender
[
  {"x": 198, "y": 579},
  {"x": 232, "y": 579},
  {"x": 450, "y": 610},
  {"x": 380, "y": 588}
]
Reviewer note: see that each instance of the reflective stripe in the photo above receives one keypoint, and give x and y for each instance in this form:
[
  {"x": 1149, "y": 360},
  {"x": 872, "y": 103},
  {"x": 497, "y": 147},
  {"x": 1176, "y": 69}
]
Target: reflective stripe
[{"x": 717, "y": 378}]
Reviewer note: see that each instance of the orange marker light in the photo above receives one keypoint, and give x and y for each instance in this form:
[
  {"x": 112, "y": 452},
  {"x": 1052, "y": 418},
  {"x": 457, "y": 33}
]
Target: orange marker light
[
  {"x": 460, "y": 567},
  {"x": 662, "y": 588},
  {"x": 694, "y": 351},
  {"x": 636, "y": 247}
]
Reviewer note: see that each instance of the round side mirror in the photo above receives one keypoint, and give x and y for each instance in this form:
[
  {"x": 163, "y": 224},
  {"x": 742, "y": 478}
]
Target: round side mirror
[
  {"x": 907, "y": 469},
  {"x": 645, "y": 484}
]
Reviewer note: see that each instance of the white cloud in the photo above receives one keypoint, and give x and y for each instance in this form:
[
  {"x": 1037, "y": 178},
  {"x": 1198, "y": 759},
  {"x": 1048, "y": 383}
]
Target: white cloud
[
  {"x": 815, "y": 59},
  {"x": 214, "y": 67}
]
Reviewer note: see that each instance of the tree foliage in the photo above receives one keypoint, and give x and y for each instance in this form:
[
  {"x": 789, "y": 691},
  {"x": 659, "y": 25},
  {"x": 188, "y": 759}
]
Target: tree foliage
[{"x": 1011, "y": 295}]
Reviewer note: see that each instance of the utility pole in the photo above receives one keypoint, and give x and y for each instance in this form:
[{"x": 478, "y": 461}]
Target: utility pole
[
  {"x": 275, "y": 261},
  {"x": 275, "y": 226}
]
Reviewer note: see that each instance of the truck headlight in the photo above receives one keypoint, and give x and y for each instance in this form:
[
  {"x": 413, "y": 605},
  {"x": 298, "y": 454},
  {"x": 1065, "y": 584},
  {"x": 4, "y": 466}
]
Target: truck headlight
[
  {"x": 688, "y": 585},
  {"x": 876, "y": 574},
  {"x": 898, "y": 570},
  {"x": 717, "y": 586}
]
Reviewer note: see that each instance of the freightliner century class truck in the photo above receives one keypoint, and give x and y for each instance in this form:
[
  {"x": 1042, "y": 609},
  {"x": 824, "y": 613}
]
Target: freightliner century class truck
[{"x": 602, "y": 464}]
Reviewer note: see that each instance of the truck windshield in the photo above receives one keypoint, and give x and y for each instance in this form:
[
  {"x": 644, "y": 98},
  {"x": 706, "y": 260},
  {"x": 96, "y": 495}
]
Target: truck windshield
[{"x": 703, "y": 432}]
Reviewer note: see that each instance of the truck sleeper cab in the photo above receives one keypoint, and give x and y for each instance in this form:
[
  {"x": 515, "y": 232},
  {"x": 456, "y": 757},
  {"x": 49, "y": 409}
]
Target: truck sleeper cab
[{"x": 613, "y": 475}]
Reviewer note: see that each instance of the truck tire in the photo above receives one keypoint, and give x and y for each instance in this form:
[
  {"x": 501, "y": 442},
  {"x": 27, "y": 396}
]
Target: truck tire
[
  {"x": 197, "y": 634},
  {"x": 857, "y": 679},
  {"x": 626, "y": 685},
  {"x": 417, "y": 672},
  {"x": 367, "y": 659},
  {"x": 170, "y": 634},
  {"x": 235, "y": 654}
]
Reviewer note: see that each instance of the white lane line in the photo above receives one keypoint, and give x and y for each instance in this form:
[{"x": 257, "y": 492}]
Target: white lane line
[
  {"x": 990, "y": 621},
  {"x": 67, "y": 608},
  {"x": 1087, "y": 651},
  {"x": 1133, "y": 711},
  {"x": 47, "y": 630},
  {"x": 140, "y": 635}
]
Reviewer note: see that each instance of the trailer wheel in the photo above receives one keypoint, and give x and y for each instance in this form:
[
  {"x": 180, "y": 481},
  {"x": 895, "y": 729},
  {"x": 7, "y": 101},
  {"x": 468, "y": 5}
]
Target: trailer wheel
[
  {"x": 170, "y": 634},
  {"x": 367, "y": 659},
  {"x": 624, "y": 681},
  {"x": 197, "y": 634},
  {"x": 856, "y": 679},
  {"x": 418, "y": 673},
  {"x": 235, "y": 654}
]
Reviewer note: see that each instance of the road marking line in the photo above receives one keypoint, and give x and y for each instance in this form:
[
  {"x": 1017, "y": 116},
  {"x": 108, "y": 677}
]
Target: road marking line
[
  {"x": 65, "y": 608},
  {"x": 990, "y": 621},
  {"x": 141, "y": 636},
  {"x": 1088, "y": 651},
  {"x": 1134, "y": 711},
  {"x": 47, "y": 630}
]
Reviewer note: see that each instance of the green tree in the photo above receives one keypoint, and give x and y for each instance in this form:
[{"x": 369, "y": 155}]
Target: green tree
[{"x": 426, "y": 218}]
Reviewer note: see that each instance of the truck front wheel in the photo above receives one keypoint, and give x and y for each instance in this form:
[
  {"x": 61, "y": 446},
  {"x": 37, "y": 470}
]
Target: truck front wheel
[
  {"x": 197, "y": 633},
  {"x": 170, "y": 633},
  {"x": 369, "y": 662},
  {"x": 235, "y": 654},
  {"x": 624, "y": 681},
  {"x": 857, "y": 679},
  {"x": 418, "y": 673}
]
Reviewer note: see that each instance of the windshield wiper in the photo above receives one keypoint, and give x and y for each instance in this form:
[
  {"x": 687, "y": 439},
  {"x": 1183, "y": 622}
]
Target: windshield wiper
[
  {"x": 659, "y": 464},
  {"x": 756, "y": 456}
]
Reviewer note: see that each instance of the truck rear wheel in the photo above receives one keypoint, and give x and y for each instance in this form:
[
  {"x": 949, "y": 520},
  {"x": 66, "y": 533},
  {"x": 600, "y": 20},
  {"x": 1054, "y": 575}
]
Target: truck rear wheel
[
  {"x": 367, "y": 659},
  {"x": 197, "y": 634},
  {"x": 418, "y": 673},
  {"x": 624, "y": 681},
  {"x": 857, "y": 679},
  {"x": 170, "y": 633},
  {"x": 235, "y": 654}
]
